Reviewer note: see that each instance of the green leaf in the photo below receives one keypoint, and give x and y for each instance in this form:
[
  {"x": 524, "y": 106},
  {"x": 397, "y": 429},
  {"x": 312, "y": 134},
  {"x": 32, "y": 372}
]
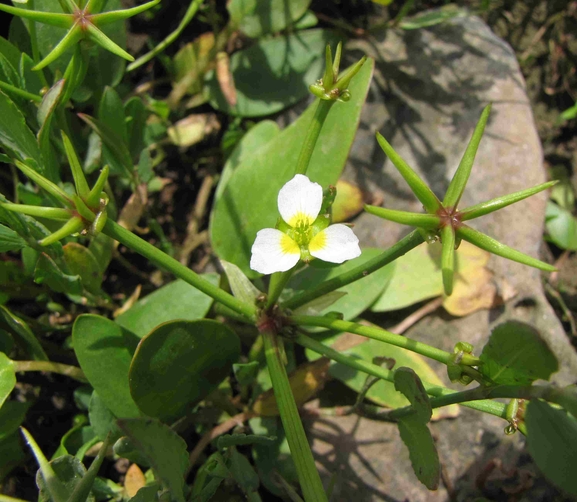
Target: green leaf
[
  {"x": 561, "y": 226},
  {"x": 242, "y": 439},
  {"x": 47, "y": 272},
  {"x": 70, "y": 472},
  {"x": 164, "y": 449},
  {"x": 111, "y": 113},
  {"x": 359, "y": 295},
  {"x": 256, "y": 18},
  {"x": 246, "y": 373},
  {"x": 417, "y": 185},
  {"x": 516, "y": 354},
  {"x": 239, "y": 214},
  {"x": 135, "y": 110},
  {"x": 180, "y": 363},
  {"x": 46, "y": 110},
  {"x": 46, "y": 478},
  {"x": 102, "y": 420},
  {"x": 273, "y": 74},
  {"x": 7, "y": 377},
  {"x": 15, "y": 136},
  {"x": 23, "y": 333},
  {"x": 409, "y": 383},
  {"x": 146, "y": 494},
  {"x": 422, "y": 452},
  {"x": 243, "y": 472},
  {"x": 176, "y": 300},
  {"x": 10, "y": 240},
  {"x": 12, "y": 413},
  {"x": 257, "y": 137},
  {"x": 239, "y": 283},
  {"x": 81, "y": 492},
  {"x": 457, "y": 185},
  {"x": 104, "y": 350},
  {"x": 81, "y": 262},
  {"x": 126, "y": 448},
  {"x": 552, "y": 442},
  {"x": 431, "y": 17}
]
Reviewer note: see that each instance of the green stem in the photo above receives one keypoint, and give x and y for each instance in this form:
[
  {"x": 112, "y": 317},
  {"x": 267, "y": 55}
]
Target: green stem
[
  {"x": 321, "y": 112},
  {"x": 188, "y": 16},
  {"x": 399, "y": 249},
  {"x": 277, "y": 283},
  {"x": 486, "y": 406},
  {"x": 155, "y": 255},
  {"x": 302, "y": 456},
  {"x": 19, "y": 92},
  {"x": 61, "y": 369},
  {"x": 383, "y": 336}
]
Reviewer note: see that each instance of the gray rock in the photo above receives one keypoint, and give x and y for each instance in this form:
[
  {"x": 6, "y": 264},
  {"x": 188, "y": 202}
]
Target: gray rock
[{"x": 429, "y": 89}]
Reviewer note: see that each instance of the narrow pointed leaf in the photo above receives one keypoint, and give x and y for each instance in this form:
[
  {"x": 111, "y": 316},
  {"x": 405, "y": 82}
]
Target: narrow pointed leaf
[
  {"x": 51, "y": 18},
  {"x": 428, "y": 221},
  {"x": 94, "y": 196},
  {"x": 500, "y": 202},
  {"x": 55, "y": 487},
  {"x": 118, "y": 15},
  {"x": 101, "y": 39},
  {"x": 448, "y": 258},
  {"x": 418, "y": 186},
  {"x": 69, "y": 40},
  {"x": 82, "y": 490},
  {"x": 45, "y": 184},
  {"x": 493, "y": 246},
  {"x": 239, "y": 283},
  {"x": 10, "y": 240},
  {"x": 52, "y": 213},
  {"x": 71, "y": 227},
  {"x": 7, "y": 377},
  {"x": 80, "y": 182},
  {"x": 409, "y": 383},
  {"x": 82, "y": 209},
  {"x": 457, "y": 185}
]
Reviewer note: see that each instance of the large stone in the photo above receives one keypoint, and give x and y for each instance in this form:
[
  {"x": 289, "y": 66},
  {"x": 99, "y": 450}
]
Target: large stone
[{"x": 429, "y": 89}]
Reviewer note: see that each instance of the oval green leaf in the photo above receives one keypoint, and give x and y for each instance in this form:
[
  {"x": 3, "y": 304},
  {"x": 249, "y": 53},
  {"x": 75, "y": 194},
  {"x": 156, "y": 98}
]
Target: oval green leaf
[
  {"x": 179, "y": 364},
  {"x": 7, "y": 377},
  {"x": 104, "y": 350}
]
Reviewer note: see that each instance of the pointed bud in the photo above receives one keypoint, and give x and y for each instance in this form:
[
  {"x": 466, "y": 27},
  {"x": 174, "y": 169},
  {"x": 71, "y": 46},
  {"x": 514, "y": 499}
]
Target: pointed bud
[{"x": 72, "y": 226}]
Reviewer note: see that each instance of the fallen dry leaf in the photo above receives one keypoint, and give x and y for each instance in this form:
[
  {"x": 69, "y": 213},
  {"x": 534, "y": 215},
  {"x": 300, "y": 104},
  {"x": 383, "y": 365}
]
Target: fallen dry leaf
[
  {"x": 225, "y": 78},
  {"x": 193, "y": 129},
  {"x": 134, "y": 480}
]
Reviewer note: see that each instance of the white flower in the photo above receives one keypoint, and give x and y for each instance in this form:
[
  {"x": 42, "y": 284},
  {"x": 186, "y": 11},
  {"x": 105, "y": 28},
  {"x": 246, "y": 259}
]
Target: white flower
[{"x": 299, "y": 204}]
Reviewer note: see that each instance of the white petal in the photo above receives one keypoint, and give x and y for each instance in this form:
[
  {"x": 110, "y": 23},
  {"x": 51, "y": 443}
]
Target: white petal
[
  {"x": 300, "y": 201},
  {"x": 336, "y": 243},
  {"x": 273, "y": 251}
]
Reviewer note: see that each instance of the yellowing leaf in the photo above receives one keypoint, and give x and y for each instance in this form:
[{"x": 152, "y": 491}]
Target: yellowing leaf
[
  {"x": 193, "y": 129},
  {"x": 305, "y": 382},
  {"x": 134, "y": 480},
  {"x": 348, "y": 202}
]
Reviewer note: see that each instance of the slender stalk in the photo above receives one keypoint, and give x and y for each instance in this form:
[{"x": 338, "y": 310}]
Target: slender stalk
[
  {"x": 321, "y": 112},
  {"x": 302, "y": 456},
  {"x": 188, "y": 16},
  {"x": 19, "y": 92},
  {"x": 61, "y": 369},
  {"x": 155, "y": 255},
  {"x": 277, "y": 283},
  {"x": 384, "y": 336},
  {"x": 486, "y": 406},
  {"x": 399, "y": 249}
]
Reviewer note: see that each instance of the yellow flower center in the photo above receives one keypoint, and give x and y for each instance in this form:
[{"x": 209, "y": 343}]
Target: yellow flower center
[
  {"x": 300, "y": 220},
  {"x": 318, "y": 242},
  {"x": 288, "y": 245}
]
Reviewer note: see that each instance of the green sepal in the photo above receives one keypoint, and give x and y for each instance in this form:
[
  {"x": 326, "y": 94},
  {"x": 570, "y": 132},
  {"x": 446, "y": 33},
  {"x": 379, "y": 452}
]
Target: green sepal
[
  {"x": 93, "y": 198},
  {"x": 83, "y": 209},
  {"x": 448, "y": 258},
  {"x": 418, "y": 186},
  {"x": 500, "y": 202},
  {"x": 72, "y": 226},
  {"x": 71, "y": 38},
  {"x": 493, "y": 246},
  {"x": 344, "y": 80},
  {"x": 47, "y": 185},
  {"x": 51, "y": 213},
  {"x": 329, "y": 76},
  {"x": 457, "y": 185},
  {"x": 51, "y": 18},
  {"x": 329, "y": 195},
  {"x": 98, "y": 223},
  {"x": 427, "y": 221},
  {"x": 97, "y": 36},
  {"x": 80, "y": 182},
  {"x": 118, "y": 15}
]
